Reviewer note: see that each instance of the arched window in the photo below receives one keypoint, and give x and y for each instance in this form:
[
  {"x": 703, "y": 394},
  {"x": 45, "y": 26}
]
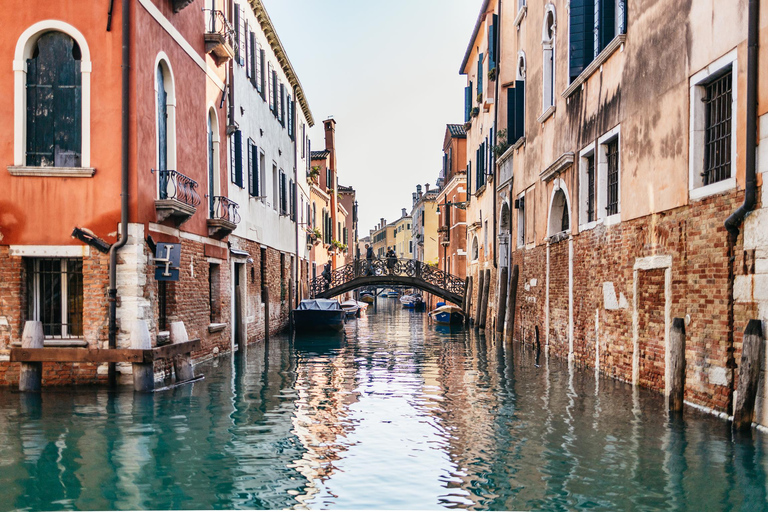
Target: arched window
[
  {"x": 504, "y": 221},
  {"x": 165, "y": 121},
  {"x": 559, "y": 210},
  {"x": 214, "y": 187},
  {"x": 475, "y": 249},
  {"x": 548, "y": 58},
  {"x": 52, "y": 70}
]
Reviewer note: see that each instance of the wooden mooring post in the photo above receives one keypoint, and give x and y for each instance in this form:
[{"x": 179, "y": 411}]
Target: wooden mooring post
[
  {"x": 265, "y": 299},
  {"x": 479, "y": 305},
  {"x": 501, "y": 301},
  {"x": 468, "y": 301},
  {"x": 182, "y": 363},
  {"x": 486, "y": 295},
  {"x": 676, "y": 365},
  {"x": 31, "y": 375},
  {"x": 749, "y": 374},
  {"x": 512, "y": 303},
  {"x": 144, "y": 372}
]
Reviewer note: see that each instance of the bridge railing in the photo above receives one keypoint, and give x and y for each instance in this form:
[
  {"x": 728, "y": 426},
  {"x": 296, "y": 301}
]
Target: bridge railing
[{"x": 394, "y": 268}]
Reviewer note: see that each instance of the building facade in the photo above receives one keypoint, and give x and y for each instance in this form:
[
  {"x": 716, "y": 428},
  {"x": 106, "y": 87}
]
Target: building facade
[
  {"x": 404, "y": 236},
  {"x": 424, "y": 232}
]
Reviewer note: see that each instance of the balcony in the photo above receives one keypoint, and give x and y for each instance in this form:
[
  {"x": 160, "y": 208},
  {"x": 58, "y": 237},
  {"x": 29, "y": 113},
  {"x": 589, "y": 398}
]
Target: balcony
[
  {"x": 178, "y": 197},
  {"x": 219, "y": 36},
  {"x": 224, "y": 217}
]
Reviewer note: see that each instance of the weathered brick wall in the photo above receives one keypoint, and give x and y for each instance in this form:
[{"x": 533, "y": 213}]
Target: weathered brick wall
[{"x": 696, "y": 240}]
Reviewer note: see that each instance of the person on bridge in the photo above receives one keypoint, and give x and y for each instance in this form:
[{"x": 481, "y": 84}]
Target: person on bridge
[
  {"x": 369, "y": 259},
  {"x": 327, "y": 274},
  {"x": 391, "y": 260}
]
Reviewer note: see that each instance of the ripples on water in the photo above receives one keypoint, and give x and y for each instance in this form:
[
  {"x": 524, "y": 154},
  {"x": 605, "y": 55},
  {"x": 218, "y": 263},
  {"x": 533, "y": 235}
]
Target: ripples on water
[{"x": 399, "y": 414}]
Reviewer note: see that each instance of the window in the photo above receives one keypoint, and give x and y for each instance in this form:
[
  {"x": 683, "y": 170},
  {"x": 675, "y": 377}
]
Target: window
[
  {"x": 475, "y": 249},
  {"x": 248, "y": 51},
  {"x": 283, "y": 194},
  {"x": 291, "y": 203},
  {"x": 516, "y": 104},
  {"x": 271, "y": 87},
  {"x": 480, "y": 167},
  {"x": 588, "y": 211},
  {"x": 591, "y": 208},
  {"x": 166, "y": 124},
  {"x": 479, "y": 77},
  {"x": 252, "y": 58},
  {"x": 52, "y": 68},
  {"x": 328, "y": 178},
  {"x": 54, "y": 108},
  {"x": 253, "y": 169},
  {"x": 612, "y": 161},
  {"x": 214, "y": 292},
  {"x": 493, "y": 42},
  {"x": 236, "y": 23},
  {"x": 559, "y": 210},
  {"x": 303, "y": 140},
  {"x": 275, "y": 94},
  {"x": 281, "y": 106},
  {"x": 236, "y": 156},
  {"x": 291, "y": 106},
  {"x": 55, "y": 295},
  {"x": 275, "y": 187},
  {"x": 262, "y": 179},
  {"x": 548, "y": 58},
  {"x": 520, "y": 207},
  {"x": 593, "y": 25},
  {"x": 262, "y": 74},
  {"x": 314, "y": 215},
  {"x": 213, "y": 156},
  {"x": 717, "y": 147}
]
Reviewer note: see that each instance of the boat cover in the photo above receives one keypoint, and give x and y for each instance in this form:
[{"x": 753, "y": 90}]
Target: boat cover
[{"x": 320, "y": 304}]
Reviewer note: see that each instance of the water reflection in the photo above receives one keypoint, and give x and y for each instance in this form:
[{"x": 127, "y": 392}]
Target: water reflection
[{"x": 397, "y": 413}]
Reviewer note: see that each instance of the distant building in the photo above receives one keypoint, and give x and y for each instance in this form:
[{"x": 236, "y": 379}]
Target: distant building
[
  {"x": 451, "y": 201},
  {"x": 404, "y": 236},
  {"x": 424, "y": 215}
]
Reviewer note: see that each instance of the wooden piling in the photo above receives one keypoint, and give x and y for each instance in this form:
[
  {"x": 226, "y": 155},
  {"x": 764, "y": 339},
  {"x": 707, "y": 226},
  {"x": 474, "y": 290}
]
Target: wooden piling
[
  {"x": 501, "y": 301},
  {"x": 464, "y": 298},
  {"x": 486, "y": 295},
  {"x": 468, "y": 309},
  {"x": 479, "y": 305},
  {"x": 290, "y": 294},
  {"x": 31, "y": 375},
  {"x": 265, "y": 298},
  {"x": 143, "y": 373},
  {"x": 512, "y": 303},
  {"x": 749, "y": 374},
  {"x": 676, "y": 365},
  {"x": 182, "y": 363}
]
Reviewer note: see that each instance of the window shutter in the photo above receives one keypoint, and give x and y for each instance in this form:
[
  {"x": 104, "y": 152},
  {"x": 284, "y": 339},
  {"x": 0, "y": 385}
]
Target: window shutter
[
  {"x": 282, "y": 105},
  {"x": 232, "y": 159},
  {"x": 607, "y": 22},
  {"x": 251, "y": 190},
  {"x": 274, "y": 92},
  {"x": 469, "y": 179},
  {"x": 269, "y": 87},
  {"x": 519, "y": 109},
  {"x": 247, "y": 52},
  {"x": 467, "y": 102},
  {"x": 493, "y": 35},
  {"x": 256, "y": 171},
  {"x": 237, "y": 33},
  {"x": 239, "y": 158},
  {"x": 512, "y": 114},
  {"x": 581, "y": 43},
  {"x": 480, "y": 74},
  {"x": 252, "y": 60},
  {"x": 263, "y": 78}
]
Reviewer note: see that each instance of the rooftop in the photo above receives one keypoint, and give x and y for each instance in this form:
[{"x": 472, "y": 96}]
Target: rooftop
[
  {"x": 457, "y": 130},
  {"x": 320, "y": 155}
]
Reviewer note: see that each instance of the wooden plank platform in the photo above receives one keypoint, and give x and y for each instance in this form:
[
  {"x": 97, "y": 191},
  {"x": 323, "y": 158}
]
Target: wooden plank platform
[{"x": 101, "y": 355}]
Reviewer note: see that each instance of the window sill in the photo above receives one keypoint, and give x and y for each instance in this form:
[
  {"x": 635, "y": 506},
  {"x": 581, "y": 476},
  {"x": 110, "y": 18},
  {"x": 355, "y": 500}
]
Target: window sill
[
  {"x": 603, "y": 56},
  {"x": 56, "y": 342},
  {"x": 479, "y": 191},
  {"x": 547, "y": 114},
  {"x": 713, "y": 189},
  {"x": 590, "y": 225},
  {"x": 216, "y": 327},
  {"x": 612, "y": 220},
  {"x": 520, "y": 16},
  {"x": 52, "y": 172}
]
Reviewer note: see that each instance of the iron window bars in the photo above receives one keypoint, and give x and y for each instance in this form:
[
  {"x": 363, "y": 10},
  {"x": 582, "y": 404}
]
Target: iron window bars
[
  {"x": 612, "y": 157},
  {"x": 717, "y": 150}
]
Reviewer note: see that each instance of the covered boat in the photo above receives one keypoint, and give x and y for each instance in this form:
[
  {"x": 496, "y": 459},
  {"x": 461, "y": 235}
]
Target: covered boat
[
  {"x": 412, "y": 301},
  {"x": 318, "y": 315},
  {"x": 447, "y": 315},
  {"x": 351, "y": 308}
]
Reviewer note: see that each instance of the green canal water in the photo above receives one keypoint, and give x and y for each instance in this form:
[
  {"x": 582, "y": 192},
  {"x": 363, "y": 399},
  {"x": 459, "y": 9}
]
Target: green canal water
[{"x": 397, "y": 414}]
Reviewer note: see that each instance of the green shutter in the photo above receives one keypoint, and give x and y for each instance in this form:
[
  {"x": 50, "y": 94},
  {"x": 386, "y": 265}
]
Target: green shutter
[
  {"x": 493, "y": 43},
  {"x": 239, "y": 158},
  {"x": 607, "y": 22},
  {"x": 511, "y": 114},
  {"x": 467, "y": 102},
  {"x": 519, "y": 109},
  {"x": 581, "y": 40},
  {"x": 480, "y": 74}
]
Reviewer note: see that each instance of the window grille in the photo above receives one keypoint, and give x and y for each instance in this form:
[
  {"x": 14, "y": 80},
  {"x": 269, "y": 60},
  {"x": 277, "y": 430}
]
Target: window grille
[
  {"x": 591, "y": 210},
  {"x": 717, "y": 151},
  {"x": 55, "y": 296},
  {"x": 612, "y": 157}
]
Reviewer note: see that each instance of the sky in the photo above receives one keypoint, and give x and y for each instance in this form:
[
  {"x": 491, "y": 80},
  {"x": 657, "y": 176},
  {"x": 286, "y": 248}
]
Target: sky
[{"x": 388, "y": 73}]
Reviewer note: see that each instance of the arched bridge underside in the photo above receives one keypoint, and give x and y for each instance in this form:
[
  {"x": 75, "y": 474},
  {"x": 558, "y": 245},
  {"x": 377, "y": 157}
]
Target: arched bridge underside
[{"x": 382, "y": 273}]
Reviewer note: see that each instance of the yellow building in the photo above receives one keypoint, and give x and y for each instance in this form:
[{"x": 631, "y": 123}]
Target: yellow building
[
  {"x": 382, "y": 237},
  {"x": 424, "y": 227},
  {"x": 404, "y": 236}
]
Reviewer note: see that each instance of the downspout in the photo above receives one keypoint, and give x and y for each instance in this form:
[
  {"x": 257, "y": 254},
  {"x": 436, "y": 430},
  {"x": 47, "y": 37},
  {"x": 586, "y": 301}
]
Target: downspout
[
  {"x": 735, "y": 220},
  {"x": 295, "y": 192},
  {"x": 123, "y": 234},
  {"x": 495, "y": 136}
]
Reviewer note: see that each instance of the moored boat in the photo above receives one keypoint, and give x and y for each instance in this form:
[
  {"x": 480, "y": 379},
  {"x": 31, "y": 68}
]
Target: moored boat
[
  {"x": 367, "y": 298},
  {"x": 411, "y": 301},
  {"x": 447, "y": 315},
  {"x": 351, "y": 308},
  {"x": 318, "y": 315}
]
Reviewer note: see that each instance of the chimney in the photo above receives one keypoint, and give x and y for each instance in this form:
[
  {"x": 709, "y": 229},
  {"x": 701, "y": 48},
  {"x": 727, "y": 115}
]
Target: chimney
[
  {"x": 418, "y": 190},
  {"x": 415, "y": 197},
  {"x": 330, "y": 142},
  {"x": 404, "y": 213},
  {"x": 426, "y": 187}
]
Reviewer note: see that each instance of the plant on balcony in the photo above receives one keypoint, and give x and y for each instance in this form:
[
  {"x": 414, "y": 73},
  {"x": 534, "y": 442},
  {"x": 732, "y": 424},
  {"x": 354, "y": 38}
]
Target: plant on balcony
[
  {"x": 475, "y": 111},
  {"x": 313, "y": 175},
  {"x": 492, "y": 74},
  {"x": 479, "y": 97},
  {"x": 467, "y": 125},
  {"x": 314, "y": 233},
  {"x": 502, "y": 144},
  {"x": 338, "y": 245}
]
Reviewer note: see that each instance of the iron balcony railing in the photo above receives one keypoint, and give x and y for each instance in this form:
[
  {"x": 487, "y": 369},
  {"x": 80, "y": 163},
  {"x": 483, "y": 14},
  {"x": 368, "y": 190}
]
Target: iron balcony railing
[
  {"x": 223, "y": 208},
  {"x": 174, "y": 185},
  {"x": 217, "y": 23}
]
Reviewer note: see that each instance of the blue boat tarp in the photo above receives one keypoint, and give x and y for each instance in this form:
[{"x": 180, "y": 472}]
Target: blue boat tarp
[{"x": 320, "y": 305}]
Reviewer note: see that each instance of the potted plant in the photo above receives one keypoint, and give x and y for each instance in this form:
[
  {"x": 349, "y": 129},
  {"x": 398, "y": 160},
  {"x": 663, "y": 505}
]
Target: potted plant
[
  {"x": 492, "y": 74},
  {"x": 475, "y": 111},
  {"x": 467, "y": 125},
  {"x": 479, "y": 97},
  {"x": 502, "y": 145},
  {"x": 312, "y": 175}
]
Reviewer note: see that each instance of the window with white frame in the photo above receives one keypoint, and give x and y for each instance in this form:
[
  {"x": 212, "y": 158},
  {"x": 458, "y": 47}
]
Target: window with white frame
[
  {"x": 475, "y": 249},
  {"x": 588, "y": 186},
  {"x": 55, "y": 295},
  {"x": 608, "y": 176},
  {"x": 559, "y": 210},
  {"x": 712, "y": 165},
  {"x": 275, "y": 187},
  {"x": 548, "y": 58}
]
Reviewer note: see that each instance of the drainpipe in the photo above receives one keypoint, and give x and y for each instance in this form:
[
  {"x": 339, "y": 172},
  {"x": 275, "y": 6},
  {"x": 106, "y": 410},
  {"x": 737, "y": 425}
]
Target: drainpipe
[
  {"x": 496, "y": 135},
  {"x": 295, "y": 212},
  {"x": 123, "y": 235},
  {"x": 733, "y": 222}
]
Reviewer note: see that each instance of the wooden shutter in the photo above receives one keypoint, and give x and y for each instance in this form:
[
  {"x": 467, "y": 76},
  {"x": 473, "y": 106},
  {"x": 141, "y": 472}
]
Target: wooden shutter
[
  {"x": 238, "y": 49},
  {"x": 467, "y": 102},
  {"x": 247, "y": 52},
  {"x": 251, "y": 191},
  {"x": 282, "y": 105},
  {"x": 239, "y": 158},
  {"x": 492, "y": 42},
  {"x": 469, "y": 178},
  {"x": 274, "y": 92},
  {"x": 519, "y": 109},
  {"x": 607, "y": 22},
  {"x": 253, "y": 58},
  {"x": 581, "y": 41},
  {"x": 256, "y": 171},
  {"x": 480, "y": 74},
  {"x": 263, "y": 76}
]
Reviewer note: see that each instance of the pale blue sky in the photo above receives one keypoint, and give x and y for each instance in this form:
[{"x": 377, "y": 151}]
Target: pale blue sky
[{"x": 388, "y": 72}]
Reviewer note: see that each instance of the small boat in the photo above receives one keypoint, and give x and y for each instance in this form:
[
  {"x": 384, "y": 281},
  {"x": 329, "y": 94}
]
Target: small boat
[
  {"x": 367, "y": 298},
  {"x": 318, "y": 315},
  {"x": 391, "y": 294},
  {"x": 411, "y": 301},
  {"x": 447, "y": 315},
  {"x": 363, "y": 307},
  {"x": 351, "y": 308}
]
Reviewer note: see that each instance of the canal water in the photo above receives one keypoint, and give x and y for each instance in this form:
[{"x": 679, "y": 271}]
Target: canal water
[{"x": 399, "y": 413}]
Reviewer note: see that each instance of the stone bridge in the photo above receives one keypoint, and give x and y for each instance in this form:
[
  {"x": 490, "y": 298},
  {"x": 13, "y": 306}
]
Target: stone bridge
[{"x": 383, "y": 273}]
